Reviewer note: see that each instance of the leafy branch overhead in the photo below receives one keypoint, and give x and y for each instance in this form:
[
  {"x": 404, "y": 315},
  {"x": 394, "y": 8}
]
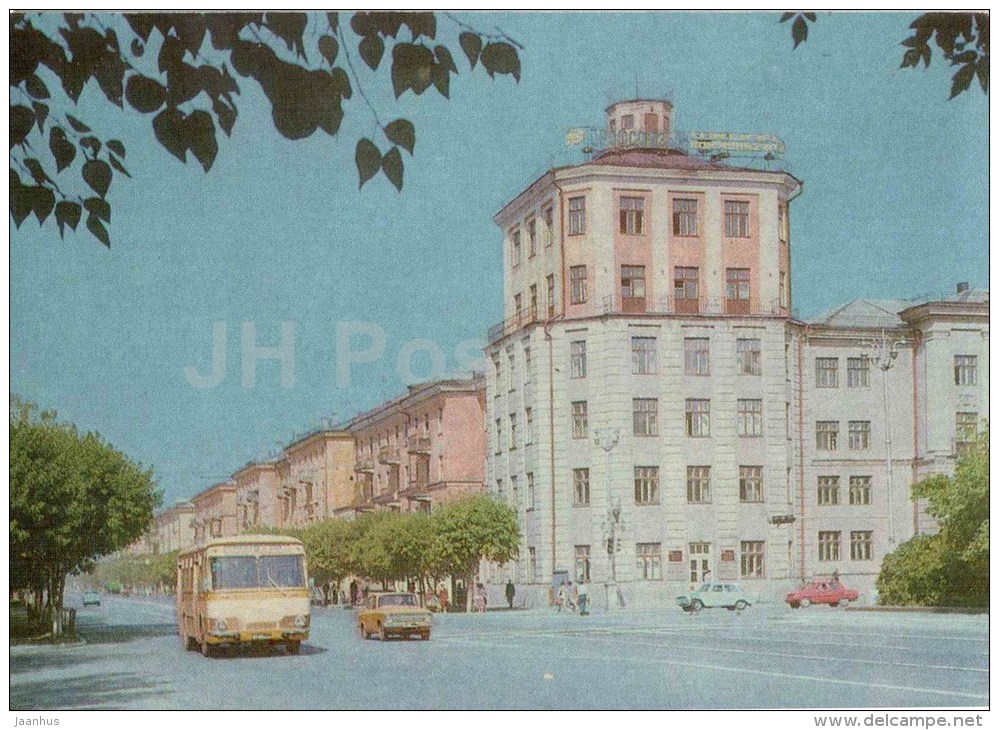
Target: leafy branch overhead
[
  {"x": 963, "y": 39},
  {"x": 181, "y": 69}
]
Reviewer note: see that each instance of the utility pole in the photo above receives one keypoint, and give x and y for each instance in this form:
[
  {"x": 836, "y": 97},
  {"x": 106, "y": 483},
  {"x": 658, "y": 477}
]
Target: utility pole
[{"x": 607, "y": 440}]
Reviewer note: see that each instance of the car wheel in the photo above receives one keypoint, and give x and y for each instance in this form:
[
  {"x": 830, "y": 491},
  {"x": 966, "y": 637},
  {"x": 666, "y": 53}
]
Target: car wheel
[
  {"x": 740, "y": 605},
  {"x": 208, "y": 651},
  {"x": 696, "y": 606},
  {"x": 844, "y": 602},
  {"x": 293, "y": 647},
  {"x": 805, "y": 603},
  {"x": 794, "y": 604},
  {"x": 425, "y": 636}
]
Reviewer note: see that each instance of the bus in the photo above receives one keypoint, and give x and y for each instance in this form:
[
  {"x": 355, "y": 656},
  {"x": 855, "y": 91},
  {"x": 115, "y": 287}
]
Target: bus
[{"x": 244, "y": 590}]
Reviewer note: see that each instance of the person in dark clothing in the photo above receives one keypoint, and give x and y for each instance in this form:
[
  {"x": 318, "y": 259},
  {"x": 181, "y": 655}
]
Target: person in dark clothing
[{"x": 510, "y": 592}]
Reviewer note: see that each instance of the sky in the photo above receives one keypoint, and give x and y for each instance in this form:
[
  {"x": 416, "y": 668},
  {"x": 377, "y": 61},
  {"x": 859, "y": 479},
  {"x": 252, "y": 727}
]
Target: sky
[{"x": 895, "y": 205}]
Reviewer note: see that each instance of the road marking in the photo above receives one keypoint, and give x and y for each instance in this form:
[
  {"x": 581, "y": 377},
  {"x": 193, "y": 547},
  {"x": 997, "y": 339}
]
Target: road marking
[{"x": 742, "y": 670}]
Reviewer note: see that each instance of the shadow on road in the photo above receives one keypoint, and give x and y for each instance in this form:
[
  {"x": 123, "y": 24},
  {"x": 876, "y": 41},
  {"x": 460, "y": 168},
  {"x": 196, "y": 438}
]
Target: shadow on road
[
  {"x": 104, "y": 691},
  {"x": 123, "y": 633},
  {"x": 260, "y": 652}
]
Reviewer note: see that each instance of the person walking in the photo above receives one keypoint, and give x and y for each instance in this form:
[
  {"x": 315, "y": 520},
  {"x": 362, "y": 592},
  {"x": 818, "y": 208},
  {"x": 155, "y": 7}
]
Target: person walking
[
  {"x": 511, "y": 591},
  {"x": 572, "y": 594},
  {"x": 583, "y": 593},
  {"x": 442, "y": 598},
  {"x": 561, "y": 597},
  {"x": 480, "y": 598}
]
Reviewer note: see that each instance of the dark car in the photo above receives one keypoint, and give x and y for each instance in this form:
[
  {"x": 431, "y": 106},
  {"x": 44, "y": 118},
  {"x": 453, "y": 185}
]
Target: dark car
[{"x": 830, "y": 592}]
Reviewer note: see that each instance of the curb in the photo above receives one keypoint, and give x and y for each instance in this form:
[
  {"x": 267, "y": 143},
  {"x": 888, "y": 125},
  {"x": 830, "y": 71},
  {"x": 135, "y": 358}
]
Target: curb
[{"x": 920, "y": 609}]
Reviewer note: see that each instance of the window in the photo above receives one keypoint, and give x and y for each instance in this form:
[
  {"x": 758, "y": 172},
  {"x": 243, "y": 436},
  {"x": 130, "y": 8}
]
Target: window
[
  {"x": 859, "y": 435},
  {"x": 513, "y": 431},
  {"x": 499, "y": 488},
  {"x": 861, "y": 545},
  {"x": 532, "y": 564},
  {"x": 645, "y": 416},
  {"x": 737, "y": 218},
  {"x": 965, "y": 370},
  {"x": 580, "y": 425},
  {"x": 826, "y": 372},
  {"x": 511, "y": 372},
  {"x": 858, "y": 372},
  {"x": 696, "y": 356},
  {"x": 581, "y": 487},
  {"x": 684, "y": 217},
  {"x": 748, "y": 354},
  {"x": 783, "y": 289},
  {"x": 698, "y": 484},
  {"x": 750, "y": 483},
  {"x": 514, "y": 493},
  {"x": 516, "y": 247},
  {"x": 577, "y": 358},
  {"x": 528, "y": 426},
  {"x": 499, "y": 435},
  {"x": 646, "y": 485},
  {"x": 698, "y": 417},
  {"x": 577, "y": 216},
  {"x": 782, "y": 227},
  {"x": 826, "y": 435},
  {"x": 527, "y": 365},
  {"x": 966, "y": 425},
  {"x": 685, "y": 282},
  {"x": 643, "y": 355},
  {"x": 737, "y": 284},
  {"x": 860, "y": 490},
  {"x": 532, "y": 238},
  {"x": 631, "y": 213},
  {"x": 530, "y": 491},
  {"x": 751, "y": 554},
  {"x": 518, "y": 305},
  {"x": 633, "y": 282},
  {"x": 749, "y": 419},
  {"x": 499, "y": 380},
  {"x": 828, "y": 546},
  {"x": 533, "y": 311},
  {"x": 550, "y": 293},
  {"x": 582, "y": 554},
  {"x": 627, "y": 122},
  {"x": 828, "y": 491},
  {"x": 546, "y": 214},
  {"x": 577, "y": 282},
  {"x": 649, "y": 556}
]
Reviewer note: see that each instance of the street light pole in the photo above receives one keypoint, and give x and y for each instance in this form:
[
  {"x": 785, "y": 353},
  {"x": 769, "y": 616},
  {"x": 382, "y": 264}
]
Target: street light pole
[{"x": 607, "y": 440}]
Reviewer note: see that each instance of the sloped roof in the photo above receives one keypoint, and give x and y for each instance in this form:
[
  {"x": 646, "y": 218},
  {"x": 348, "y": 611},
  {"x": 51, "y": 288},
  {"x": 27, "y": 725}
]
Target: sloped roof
[
  {"x": 659, "y": 158},
  {"x": 863, "y": 313}
]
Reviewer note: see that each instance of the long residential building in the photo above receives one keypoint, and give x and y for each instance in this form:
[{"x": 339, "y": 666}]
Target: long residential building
[{"x": 658, "y": 416}]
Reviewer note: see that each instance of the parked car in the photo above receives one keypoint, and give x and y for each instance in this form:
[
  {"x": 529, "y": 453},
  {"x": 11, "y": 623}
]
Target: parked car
[
  {"x": 715, "y": 595},
  {"x": 394, "y": 614},
  {"x": 830, "y": 592},
  {"x": 91, "y": 598}
]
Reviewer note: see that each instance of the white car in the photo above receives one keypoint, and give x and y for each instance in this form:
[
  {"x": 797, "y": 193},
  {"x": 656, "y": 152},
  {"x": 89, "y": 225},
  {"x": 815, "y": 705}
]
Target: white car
[{"x": 715, "y": 595}]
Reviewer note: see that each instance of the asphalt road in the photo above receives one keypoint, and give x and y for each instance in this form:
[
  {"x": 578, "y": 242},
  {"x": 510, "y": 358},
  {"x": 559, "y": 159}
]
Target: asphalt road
[{"x": 765, "y": 657}]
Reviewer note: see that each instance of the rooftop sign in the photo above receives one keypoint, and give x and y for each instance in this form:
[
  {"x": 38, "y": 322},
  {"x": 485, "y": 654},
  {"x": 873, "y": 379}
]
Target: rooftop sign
[
  {"x": 703, "y": 142},
  {"x": 735, "y": 142}
]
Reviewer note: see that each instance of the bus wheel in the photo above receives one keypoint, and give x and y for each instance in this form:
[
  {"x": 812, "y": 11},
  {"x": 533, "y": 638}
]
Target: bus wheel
[
  {"x": 207, "y": 650},
  {"x": 189, "y": 643},
  {"x": 294, "y": 647}
]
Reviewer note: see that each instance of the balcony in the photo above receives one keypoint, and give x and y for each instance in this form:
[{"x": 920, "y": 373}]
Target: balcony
[
  {"x": 521, "y": 319},
  {"x": 365, "y": 466},
  {"x": 389, "y": 455},
  {"x": 419, "y": 445}
]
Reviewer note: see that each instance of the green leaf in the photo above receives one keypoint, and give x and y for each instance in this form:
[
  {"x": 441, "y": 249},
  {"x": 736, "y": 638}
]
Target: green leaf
[
  {"x": 36, "y": 87},
  {"x": 368, "y": 159},
  {"x": 67, "y": 214},
  {"x": 97, "y": 174},
  {"x": 201, "y": 137},
  {"x": 22, "y": 119},
  {"x": 97, "y": 228},
  {"x": 371, "y": 49},
  {"x": 962, "y": 80},
  {"x": 169, "y": 128},
  {"x": 36, "y": 170},
  {"x": 116, "y": 164},
  {"x": 144, "y": 94},
  {"x": 810, "y": 17},
  {"x": 21, "y": 204},
  {"x": 329, "y": 48},
  {"x": 501, "y": 58},
  {"x": 402, "y": 133},
  {"x": 445, "y": 59},
  {"x": 983, "y": 73},
  {"x": 77, "y": 124},
  {"x": 91, "y": 143},
  {"x": 786, "y": 17},
  {"x": 98, "y": 207},
  {"x": 62, "y": 149},
  {"x": 334, "y": 20},
  {"x": 116, "y": 146},
  {"x": 799, "y": 31},
  {"x": 910, "y": 58},
  {"x": 42, "y": 202},
  {"x": 392, "y": 166},
  {"x": 471, "y": 44},
  {"x": 41, "y": 114}
]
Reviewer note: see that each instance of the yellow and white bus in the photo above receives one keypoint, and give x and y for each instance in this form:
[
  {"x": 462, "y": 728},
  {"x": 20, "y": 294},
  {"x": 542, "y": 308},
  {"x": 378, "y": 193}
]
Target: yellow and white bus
[{"x": 250, "y": 589}]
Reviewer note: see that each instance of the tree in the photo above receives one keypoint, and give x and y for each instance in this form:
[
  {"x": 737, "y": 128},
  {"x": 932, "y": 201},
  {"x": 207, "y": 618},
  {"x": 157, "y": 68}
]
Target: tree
[
  {"x": 330, "y": 547},
  {"x": 176, "y": 67},
  {"x": 73, "y": 498},
  {"x": 957, "y": 558},
  {"x": 963, "y": 39}
]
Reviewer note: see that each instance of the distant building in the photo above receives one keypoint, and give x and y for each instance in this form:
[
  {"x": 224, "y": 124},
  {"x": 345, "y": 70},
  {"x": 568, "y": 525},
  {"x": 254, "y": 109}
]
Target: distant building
[
  {"x": 256, "y": 495},
  {"x": 315, "y": 478},
  {"x": 215, "y": 513}
]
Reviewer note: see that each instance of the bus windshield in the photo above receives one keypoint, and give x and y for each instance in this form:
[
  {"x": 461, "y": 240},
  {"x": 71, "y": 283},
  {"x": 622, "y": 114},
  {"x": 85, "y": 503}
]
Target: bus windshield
[{"x": 268, "y": 571}]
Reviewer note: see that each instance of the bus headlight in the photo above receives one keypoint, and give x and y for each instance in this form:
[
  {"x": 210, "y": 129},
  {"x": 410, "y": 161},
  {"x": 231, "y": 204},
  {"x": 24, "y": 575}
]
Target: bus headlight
[{"x": 301, "y": 622}]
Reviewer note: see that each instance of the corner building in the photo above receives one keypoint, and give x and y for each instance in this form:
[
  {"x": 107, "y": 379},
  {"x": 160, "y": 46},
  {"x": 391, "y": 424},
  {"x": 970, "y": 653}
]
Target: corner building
[{"x": 650, "y": 384}]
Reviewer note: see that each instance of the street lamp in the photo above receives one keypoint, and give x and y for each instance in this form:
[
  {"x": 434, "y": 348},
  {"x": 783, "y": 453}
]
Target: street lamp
[
  {"x": 607, "y": 440},
  {"x": 883, "y": 352}
]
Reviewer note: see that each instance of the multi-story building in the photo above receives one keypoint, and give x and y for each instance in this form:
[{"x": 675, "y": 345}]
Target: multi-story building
[
  {"x": 314, "y": 478},
  {"x": 215, "y": 513},
  {"x": 425, "y": 447},
  {"x": 656, "y": 414},
  {"x": 256, "y": 495},
  {"x": 173, "y": 529}
]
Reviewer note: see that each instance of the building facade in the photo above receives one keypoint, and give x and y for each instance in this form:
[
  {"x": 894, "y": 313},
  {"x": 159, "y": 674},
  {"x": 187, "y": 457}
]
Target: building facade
[
  {"x": 215, "y": 513},
  {"x": 315, "y": 478},
  {"x": 657, "y": 415}
]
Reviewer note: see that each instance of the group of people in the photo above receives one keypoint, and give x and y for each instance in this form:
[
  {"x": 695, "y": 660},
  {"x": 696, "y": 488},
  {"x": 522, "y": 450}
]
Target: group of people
[{"x": 572, "y": 597}]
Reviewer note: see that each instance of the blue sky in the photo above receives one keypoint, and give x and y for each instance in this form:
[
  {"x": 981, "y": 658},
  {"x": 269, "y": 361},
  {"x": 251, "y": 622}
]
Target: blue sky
[{"x": 894, "y": 205}]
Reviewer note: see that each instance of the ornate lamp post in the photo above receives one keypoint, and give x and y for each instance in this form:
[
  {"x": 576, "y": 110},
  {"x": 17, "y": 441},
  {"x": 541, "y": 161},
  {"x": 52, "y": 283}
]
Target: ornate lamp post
[
  {"x": 883, "y": 352},
  {"x": 612, "y": 524}
]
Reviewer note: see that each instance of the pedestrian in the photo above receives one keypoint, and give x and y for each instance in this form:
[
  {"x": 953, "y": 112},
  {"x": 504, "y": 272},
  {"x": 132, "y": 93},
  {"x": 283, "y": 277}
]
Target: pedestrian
[
  {"x": 480, "y": 598},
  {"x": 584, "y": 595},
  {"x": 442, "y": 598},
  {"x": 511, "y": 591},
  {"x": 560, "y": 597},
  {"x": 353, "y": 593},
  {"x": 572, "y": 593}
]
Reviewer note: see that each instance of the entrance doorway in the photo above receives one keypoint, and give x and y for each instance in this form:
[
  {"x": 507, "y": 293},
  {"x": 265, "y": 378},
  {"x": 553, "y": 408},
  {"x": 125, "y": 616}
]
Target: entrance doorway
[{"x": 700, "y": 562}]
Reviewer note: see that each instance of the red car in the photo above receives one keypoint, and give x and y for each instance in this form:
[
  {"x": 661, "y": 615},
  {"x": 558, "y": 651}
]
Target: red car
[{"x": 830, "y": 592}]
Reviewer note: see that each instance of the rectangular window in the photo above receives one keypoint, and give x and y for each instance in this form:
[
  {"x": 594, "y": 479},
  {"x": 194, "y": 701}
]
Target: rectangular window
[
  {"x": 750, "y": 483},
  {"x": 649, "y": 556},
  {"x": 499, "y": 435},
  {"x": 499, "y": 377},
  {"x": 696, "y": 360},
  {"x": 581, "y": 487},
  {"x": 528, "y": 426},
  {"x": 582, "y": 556},
  {"x": 645, "y": 416},
  {"x": 826, "y": 435},
  {"x": 514, "y": 493},
  {"x": 827, "y": 372},
  {"x": 966, "y": 428},
  {"x": 858, "y": 372},
  {"x": 532, "y": 238},
  {"x": 698, "y": 484},
  {"x": 518, "y": 306},
  {"x": 546, "y": 214},
  {"x": 513, "y": 431},
  {"x": 533, "y": 311},
  {"x": 859, "y": 435},
  {"x": 499, "y": 488},
  {"x": 577, "y": 358},
  {"x": 737, "y": 218},
  {"x": 783, "y": 290},
  {"x": 580, "y": 425},
  {"x": 737, "y": 284},
  {"x": 861, "y": 545},
  {"x": 527, "y": 365},
  {"x": 511, "y": 370},
  {"x": 530, "y": 490},
  {"x": 751, "y": 555},
  {"x": 965, "y": 370},
  {"x": 685, "y": 217},
  {"x": 633, "y": 283},
  {"x": 782, "y": 223},
  {"x": 532, "y": 564},
  {"x": 577, "y": 216},
  {"x": 749, "y": 418},
  {"x": 685, "y": 283},
  {"x": 698, "y": 417},
  {"x": 860, "y": 490},
  {"x": 828, "y": 546},
  {"x": 748, "y": 354},
  {"x": 577, "y": 284},
  {"x": 828, "y": 491},
  {"x": 631, "y": 214},
  {"x": 516, "y": 247},
  {"x": 550, "y": 293},
  {"x": 643, "y": 355},
  {"x": 646, "y": 485}
]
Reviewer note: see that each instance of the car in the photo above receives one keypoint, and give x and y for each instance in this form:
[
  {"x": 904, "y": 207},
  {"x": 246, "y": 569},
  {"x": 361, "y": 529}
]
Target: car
[
  {"x": 715, "y": 595},
  {"x": 830, "y": 592},
  {"x": 394, "y": 614},
  {"x": 91, "y": 598}
]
